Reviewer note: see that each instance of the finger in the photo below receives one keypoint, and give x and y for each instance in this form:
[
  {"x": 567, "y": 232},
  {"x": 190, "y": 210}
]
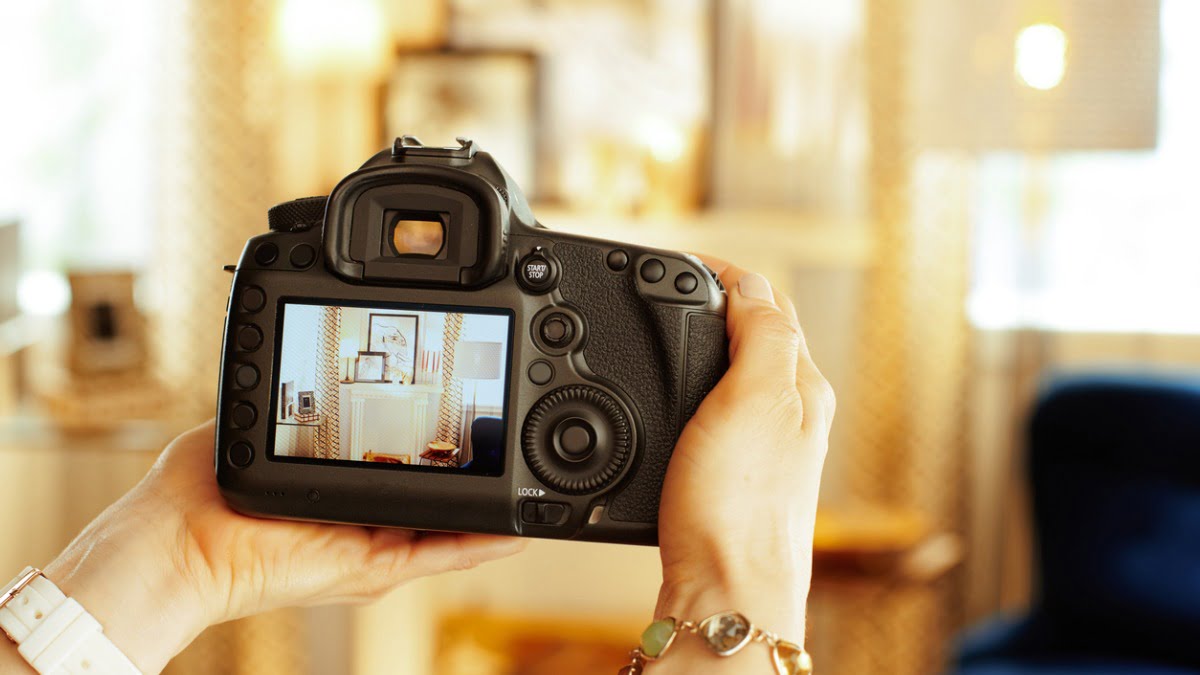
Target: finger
[
  {"x": 764, "y": 343},
  {"x": 443, "y": 551}
]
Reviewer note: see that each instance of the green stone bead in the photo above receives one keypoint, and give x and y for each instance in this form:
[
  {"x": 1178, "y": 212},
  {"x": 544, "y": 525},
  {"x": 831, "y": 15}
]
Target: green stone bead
[{"x": 656, "y": 637}]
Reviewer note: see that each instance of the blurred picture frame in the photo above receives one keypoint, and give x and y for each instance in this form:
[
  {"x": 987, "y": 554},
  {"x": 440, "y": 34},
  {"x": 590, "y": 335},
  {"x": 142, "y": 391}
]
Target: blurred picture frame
[
  {"x": 368, "y": 367},
  {"x": 107, "y": 332},
  {"x": 492, "y": 96}
]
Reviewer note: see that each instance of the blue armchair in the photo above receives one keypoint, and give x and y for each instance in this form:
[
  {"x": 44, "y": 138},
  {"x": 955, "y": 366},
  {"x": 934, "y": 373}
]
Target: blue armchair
[
  {"x": 1115, "y": 475},
  {"x": 487, "y": 444}
]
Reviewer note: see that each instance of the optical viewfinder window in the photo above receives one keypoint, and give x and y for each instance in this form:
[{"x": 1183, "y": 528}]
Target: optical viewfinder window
[{"x": 418, "y": 237}]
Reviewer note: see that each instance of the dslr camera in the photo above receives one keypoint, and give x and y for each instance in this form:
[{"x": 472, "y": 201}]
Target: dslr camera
[{"x": 416, "y": 350}]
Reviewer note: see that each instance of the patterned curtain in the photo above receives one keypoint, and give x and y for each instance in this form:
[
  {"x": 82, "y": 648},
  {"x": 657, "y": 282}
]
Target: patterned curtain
[
  {"x": 907, "y": 418},
  {"x": 216, "y": 189},
  {"x": 328, "y": 384},
  {"x": 450, "y": 409}
]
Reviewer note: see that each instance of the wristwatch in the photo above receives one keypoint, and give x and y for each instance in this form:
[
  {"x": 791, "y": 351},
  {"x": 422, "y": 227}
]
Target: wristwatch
[{"x": 54, "y": 633}]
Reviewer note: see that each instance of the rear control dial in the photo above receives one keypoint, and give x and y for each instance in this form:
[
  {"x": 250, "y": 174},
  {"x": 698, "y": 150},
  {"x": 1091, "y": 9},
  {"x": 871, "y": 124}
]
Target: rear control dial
[{"x": 577, "y": 439}]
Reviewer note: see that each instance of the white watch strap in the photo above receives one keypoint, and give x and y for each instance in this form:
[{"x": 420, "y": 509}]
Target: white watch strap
[{"x": 56, "y": 635}]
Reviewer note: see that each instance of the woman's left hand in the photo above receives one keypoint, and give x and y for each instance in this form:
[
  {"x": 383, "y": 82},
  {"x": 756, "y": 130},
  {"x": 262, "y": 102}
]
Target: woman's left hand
[{"x": 171, "y": 558}]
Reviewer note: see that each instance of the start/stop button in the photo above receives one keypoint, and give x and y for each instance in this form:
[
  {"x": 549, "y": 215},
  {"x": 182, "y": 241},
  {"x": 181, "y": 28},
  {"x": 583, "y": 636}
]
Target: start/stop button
[{"x": 537, "y": 272}]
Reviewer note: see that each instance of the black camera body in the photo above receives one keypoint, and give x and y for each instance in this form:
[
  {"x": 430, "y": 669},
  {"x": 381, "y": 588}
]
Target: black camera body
[{"x": 417, "y": 351}]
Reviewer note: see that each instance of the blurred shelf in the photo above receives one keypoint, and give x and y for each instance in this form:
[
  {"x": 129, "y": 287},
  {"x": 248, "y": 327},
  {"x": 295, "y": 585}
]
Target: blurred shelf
[
  {"x": 27, "y": 431},
  {"x": 876, "y": 543},
  {"x": 737, "y": 234}
]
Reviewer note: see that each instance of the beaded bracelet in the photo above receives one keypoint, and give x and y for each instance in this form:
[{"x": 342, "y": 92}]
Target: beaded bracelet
[{"x": 725, "y": 633}]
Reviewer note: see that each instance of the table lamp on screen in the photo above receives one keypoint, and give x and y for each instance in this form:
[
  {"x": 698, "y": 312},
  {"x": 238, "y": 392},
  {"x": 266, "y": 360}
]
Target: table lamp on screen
[{"x": 475, "y": 361}]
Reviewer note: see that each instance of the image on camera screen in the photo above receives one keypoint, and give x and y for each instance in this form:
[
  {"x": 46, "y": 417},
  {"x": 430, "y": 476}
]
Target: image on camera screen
[{"x": 402, "y": 386}]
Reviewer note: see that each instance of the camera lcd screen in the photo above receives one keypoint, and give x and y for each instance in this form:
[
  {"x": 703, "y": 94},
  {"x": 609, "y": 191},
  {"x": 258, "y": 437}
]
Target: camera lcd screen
[{"x": 398, "y": 386}]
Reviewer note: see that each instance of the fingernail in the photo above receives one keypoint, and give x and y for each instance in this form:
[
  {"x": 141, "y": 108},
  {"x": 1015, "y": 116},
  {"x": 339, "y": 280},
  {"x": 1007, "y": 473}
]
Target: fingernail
[{"x": 756, "y": 287}]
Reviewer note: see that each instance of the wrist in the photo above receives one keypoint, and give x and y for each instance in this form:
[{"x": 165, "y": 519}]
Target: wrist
[
  {"x": 771, "y": 589},
  {"x": 125, "y": 570}
]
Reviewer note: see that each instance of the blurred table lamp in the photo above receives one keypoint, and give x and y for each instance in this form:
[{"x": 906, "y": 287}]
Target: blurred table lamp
[
  {"x": 347, "y": 350},
  {"x": 1036, "y": 75},
  {"x": 476, "y": 361}
]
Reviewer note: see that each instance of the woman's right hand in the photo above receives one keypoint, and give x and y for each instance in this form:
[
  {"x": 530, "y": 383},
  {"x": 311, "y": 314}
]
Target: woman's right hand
[{"x": 739, "y": 500}]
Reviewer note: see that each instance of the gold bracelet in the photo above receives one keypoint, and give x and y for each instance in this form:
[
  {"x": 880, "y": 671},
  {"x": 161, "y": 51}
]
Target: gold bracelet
[{"x": 725, "y": 633}]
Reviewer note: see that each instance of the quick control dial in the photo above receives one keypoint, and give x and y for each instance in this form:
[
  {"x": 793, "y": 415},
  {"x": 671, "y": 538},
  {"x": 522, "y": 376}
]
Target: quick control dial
[{"x": 577, "y": 439}]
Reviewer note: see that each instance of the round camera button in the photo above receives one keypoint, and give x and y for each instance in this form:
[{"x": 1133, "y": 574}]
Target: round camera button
[
  {"x": 243, "y": 415},
  {"x": 253, "y": 299},
  {"x": 249, "y": 338},
  {"x": 617, "y": 260},
  {"x": 302, "y": 256},
  {"x": 557, "y": 330},
  {"x": 266, "y": 254},
  {"x": 536, "y": 272},
  {"x": 246, "y": 376},
  {"x": 541, "y": 372},
  {"x": 653, "y": 271},
  {"x": 240, "y": 454},
  {"x": 686, "y": 282},
  {"x": 576, "y": 439}
]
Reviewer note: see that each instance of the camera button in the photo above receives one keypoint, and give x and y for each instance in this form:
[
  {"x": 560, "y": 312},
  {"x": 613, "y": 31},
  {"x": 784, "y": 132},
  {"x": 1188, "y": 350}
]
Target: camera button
[
  {"x": 243, "y": 416},
  {"x": 266, "y": 254},
  {"x": 574, "y": 439},
  {"x": 302, "y": 256},
  {"x": 536, "y": 272},
  {"x": 249, "y": 338},
  {"x": 653, "y": 271},
  {"x": 240, "y": 454},
  {"x": 617, "y": 260},
  {"x": 531, "y": 512},
  {"x": 553, "y": 514},
  {"x": 558, "y": 330},
  {"x": 686, "y": 282},
  {"x": 246, "y": 376},
  {"x": 253, "y": 299},
  {"x": 541, "y": 372}
]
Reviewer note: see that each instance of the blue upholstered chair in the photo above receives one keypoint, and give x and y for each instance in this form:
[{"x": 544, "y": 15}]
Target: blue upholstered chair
[
  {"x": 1115, "y": 475},
  {"x": 487, "y": 443}
]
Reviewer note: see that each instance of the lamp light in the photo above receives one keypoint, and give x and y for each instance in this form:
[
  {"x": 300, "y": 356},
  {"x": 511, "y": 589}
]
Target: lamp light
[
  {"x": 1040, "y": 56},
  {"x": 475, "y": 360}
]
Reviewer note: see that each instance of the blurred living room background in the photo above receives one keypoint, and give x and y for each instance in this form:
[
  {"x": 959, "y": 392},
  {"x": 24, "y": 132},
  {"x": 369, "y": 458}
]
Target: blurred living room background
[{"x": 966, "y": 200}]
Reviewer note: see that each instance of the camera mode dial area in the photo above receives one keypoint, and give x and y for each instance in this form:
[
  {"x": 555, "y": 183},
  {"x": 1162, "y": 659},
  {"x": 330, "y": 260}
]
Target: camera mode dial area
[{"x": 577, "y": 439}]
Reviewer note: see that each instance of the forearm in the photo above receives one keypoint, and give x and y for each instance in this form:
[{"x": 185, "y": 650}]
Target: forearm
[{"x": 120, "y": 572}]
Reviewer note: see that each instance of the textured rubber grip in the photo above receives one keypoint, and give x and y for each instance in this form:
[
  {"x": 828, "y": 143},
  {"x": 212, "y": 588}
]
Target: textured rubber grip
[{"x": 653, "y": 354}]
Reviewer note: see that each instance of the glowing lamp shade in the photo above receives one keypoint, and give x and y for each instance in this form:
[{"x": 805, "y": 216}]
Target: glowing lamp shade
[
  {"x": 348, "y": 348},
  {"x": 1040, "y": 53}
]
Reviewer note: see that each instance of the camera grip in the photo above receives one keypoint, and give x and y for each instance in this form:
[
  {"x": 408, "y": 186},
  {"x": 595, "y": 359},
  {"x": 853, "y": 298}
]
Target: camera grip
[{"x": 665, "y": 358}]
